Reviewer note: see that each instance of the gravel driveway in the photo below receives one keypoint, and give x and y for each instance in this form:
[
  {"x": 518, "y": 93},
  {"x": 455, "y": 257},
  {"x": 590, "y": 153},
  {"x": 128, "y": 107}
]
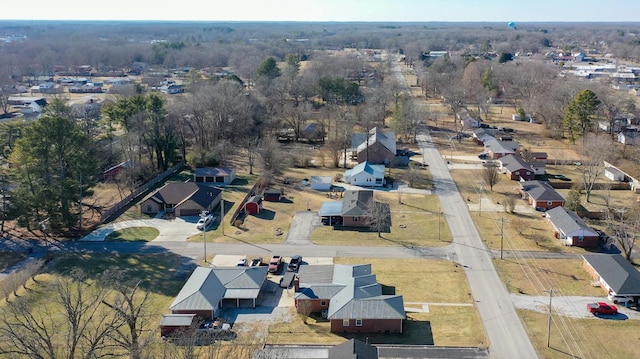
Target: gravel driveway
[
  {"x": 568, "y": 306},
  {"x": 301, "y": 226}
]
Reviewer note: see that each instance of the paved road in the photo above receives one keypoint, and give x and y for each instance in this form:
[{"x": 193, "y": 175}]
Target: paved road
[{"x": 507, "y": 337}]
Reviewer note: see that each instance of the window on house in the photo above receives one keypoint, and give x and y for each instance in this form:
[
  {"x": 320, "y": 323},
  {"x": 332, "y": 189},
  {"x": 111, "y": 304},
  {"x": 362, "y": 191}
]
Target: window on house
[
  {"x": 323, "y": 303},
  {"x": 358, "y": 322},
  {"x": 355, "y": 219},
  {"x": 378, "y": 180},
  {"x": 517, "y": 173},
  {"x": 549, "y": 203},
  {"x": 149, "y": 208},
  {"x": 345, "y": 322}
]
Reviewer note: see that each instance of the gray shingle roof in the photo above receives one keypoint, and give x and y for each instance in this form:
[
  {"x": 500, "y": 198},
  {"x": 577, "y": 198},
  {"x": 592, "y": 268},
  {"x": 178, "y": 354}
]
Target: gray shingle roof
[
  {"x": 515, "y": 163},
  {"x": 541, "y": 191},
  {"x": 569, "y": 223},
  {"x": 621, "y": 276},
  {"x": 355, "y": 203},
  {"x": 213, "y": 171},
  {"x": 496, "y": 146},
  {"x": 177, "y": 192}
]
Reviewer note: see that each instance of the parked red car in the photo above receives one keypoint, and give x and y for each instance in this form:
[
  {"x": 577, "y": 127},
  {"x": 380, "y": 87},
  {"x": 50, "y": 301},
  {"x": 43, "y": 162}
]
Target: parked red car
[
  {"x": 274, "y": 264},
  {"x": 602, "y": 308}
]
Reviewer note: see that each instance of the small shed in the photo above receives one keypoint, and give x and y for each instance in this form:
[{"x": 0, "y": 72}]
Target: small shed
[
  {"x": 272, "y": 195},
  {"x": 253, "y": 205},
  {"x": 171, "y": 323},
  {"x": 613, "y": 174},
  {"x": 321, "y": 183}
]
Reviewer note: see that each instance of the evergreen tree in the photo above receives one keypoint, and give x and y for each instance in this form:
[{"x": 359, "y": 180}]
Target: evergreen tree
[{"x": 579, "y": 114}]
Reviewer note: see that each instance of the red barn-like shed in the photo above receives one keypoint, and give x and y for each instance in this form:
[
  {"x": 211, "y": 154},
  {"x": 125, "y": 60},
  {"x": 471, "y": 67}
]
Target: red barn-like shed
[{"x": 253, "y": 205}]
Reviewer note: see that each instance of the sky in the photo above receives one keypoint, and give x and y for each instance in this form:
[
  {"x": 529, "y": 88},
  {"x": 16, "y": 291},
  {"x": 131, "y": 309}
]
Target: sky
[{"x": 325, "y": 10}]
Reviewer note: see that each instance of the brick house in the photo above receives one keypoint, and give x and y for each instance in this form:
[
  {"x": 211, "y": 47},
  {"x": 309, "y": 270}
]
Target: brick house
[
  {"x": 517, "y": 168},
  {"x": 571, "y": 229},
  {"x": 376, "y": 147},
  {"x": 350, "y": 297},
  {"x": 541, "y": 195},
  {"x": 496, "y": 148},
  {"x": 614, "y": 274}
]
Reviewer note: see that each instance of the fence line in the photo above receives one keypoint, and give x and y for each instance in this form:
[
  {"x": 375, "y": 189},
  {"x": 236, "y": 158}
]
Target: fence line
[
  {"x": 256, "y": 187},
  {"x": 138, "y": 191}
]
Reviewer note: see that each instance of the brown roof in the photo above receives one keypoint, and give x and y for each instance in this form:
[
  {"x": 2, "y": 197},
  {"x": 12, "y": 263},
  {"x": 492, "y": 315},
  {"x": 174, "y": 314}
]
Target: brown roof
[{"x": 177, "y": 192}]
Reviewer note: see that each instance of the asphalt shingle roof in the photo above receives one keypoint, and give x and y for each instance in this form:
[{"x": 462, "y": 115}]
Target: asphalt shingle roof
[
  {"x": 355, "y": 203},
  {"x": 621, "y": 276},
  {"x": 541, "y": 191},
  {"x": 568, "y": 222},
  {"x": 514, "y": 163}
]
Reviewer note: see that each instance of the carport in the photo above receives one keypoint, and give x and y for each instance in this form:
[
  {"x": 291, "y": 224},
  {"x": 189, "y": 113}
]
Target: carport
[
  {"x": 331, "y": 212},
  {"x": 238, "y": 297}
]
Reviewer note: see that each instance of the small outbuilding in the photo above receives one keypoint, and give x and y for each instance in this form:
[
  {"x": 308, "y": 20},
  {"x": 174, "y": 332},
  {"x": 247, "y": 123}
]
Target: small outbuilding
[
  {"x": 272, "y": 195},
  {"x": 171, "y": 323},
  {"x": 321, "y": 183},
  {"x": 253, "y": 205},
  {"x": 219, "y": 176}
]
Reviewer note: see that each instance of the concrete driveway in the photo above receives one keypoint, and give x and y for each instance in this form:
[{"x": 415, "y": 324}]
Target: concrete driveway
[
  {"x": 301, "y": 226},
  {"x": 171, "y": 230}
]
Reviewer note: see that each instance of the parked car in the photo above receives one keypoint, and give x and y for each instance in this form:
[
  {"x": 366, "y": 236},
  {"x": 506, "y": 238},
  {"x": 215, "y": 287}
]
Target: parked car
[
  {"x": 602, "y": 308},
  {"x": 621, "y": 299},
  {"x": 294, "y": 263},
  {"x": 483, "y": 156},
  {"x": 204, "y": 222},
  {"x": 255, "y": 262},
  {"x": 213, "y": 326},
  {"x": 242, "y": 262},
  {"x": 563, "y": 178},
  {"x": 274, "y": 264}
]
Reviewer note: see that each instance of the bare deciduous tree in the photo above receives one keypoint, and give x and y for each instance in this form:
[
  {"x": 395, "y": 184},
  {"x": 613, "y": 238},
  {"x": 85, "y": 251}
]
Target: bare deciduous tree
[
  {"x": 596, "y": 150},
  {"x": 72, "y": 325},
  {"x": 623, "y": 225},
  {"x": 378, "y": 216},
  {"x": 490, "y": 174}
]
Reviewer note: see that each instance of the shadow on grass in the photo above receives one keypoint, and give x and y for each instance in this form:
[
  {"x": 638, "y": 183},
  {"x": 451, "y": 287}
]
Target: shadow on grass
[
  {"x": 162, "y": 273},
  {"x": 266, "y": 214},
  {"x": 415, "y": 332}
]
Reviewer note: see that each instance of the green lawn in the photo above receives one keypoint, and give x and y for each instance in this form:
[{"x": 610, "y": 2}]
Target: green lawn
[{"x": 135, "y": 234}]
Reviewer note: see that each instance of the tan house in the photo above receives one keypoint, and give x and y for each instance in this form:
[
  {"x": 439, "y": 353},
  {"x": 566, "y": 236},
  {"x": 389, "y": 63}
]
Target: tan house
[{"x": 182, "y": 198}]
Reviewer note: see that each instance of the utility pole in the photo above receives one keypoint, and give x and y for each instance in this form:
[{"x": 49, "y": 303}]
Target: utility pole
[
  {"x": 203, "y": 215},
  {"x": 480, "y": 200},
  {"x": 549, "y": 320},
  {"x": 221, "y": 213},
  {"x": 439, "y": 213},
  {"x": 501, "y": 236}
]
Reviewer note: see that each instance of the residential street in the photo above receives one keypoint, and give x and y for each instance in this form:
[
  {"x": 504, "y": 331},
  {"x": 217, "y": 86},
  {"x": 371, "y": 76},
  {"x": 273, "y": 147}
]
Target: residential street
[{"x": 507, "y": 337}]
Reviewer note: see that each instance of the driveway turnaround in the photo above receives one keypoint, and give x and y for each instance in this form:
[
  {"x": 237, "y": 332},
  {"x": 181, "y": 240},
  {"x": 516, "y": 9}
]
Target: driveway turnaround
[{"x": 177, "y": 229}]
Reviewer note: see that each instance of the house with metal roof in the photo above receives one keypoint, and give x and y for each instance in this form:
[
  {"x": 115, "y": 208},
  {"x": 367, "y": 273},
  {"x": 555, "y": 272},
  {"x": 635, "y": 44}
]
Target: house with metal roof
[
  {"x": 209, "y": 289},
  {"x": 571, "y": 229},
  {"x": 517, "y": 168},
  {"x": 350, "y": 297},
  {"x": 365, "y": 174},
  {"x": 182, "y": 198},
  {"x": 541, "y": 195},
  {"x": 615, "y": 274}
]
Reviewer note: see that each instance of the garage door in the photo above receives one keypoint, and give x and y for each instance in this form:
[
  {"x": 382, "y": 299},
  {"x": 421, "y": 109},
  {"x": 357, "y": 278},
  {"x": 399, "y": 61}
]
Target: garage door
[{"x": 189, "y": 212}]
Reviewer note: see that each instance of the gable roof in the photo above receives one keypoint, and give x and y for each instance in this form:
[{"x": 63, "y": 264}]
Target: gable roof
[
  {"x": 514, "y": 163},
  {"x": 375, "y": 135},
  {"x": 353, "y": 349},
  {"x": 621, "y": 276},
  {"x": 355, "y": 203},
  {"x": 496, "y": 146},
  {"x": 568, "y": 222},
  {"x": 376, "y": 171},
  {"x": 206, "y": 287},
  {"x": 354, "y": 294},
  {"x": 541, "y": 191},
  {"x": 177, "y": 192}
]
